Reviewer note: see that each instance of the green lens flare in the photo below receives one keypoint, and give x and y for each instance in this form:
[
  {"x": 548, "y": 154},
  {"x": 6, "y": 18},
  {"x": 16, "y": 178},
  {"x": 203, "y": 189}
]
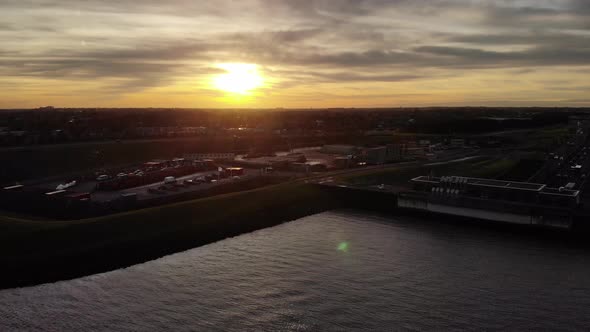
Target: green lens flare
[{"x": 343, "y": 246}]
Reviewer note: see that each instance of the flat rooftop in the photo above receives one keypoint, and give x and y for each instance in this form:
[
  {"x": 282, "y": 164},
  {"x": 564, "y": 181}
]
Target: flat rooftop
[
  {"x": 561, "y": 192},
  {"x": 506, "y": 184},
  {"x": 491, "y": 183},
  {"x": 427, "y": 179}
]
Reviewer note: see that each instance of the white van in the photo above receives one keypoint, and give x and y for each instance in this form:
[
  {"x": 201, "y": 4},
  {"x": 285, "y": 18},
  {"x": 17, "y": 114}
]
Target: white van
[{"x": 169, "y": 180}]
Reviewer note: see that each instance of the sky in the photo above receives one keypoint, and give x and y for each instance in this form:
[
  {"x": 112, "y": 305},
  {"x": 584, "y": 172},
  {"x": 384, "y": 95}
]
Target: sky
[{"x": 308, "y": 53}]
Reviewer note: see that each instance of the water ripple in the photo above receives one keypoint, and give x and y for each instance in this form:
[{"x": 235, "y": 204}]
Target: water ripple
[{"x": 335, "y": 271}]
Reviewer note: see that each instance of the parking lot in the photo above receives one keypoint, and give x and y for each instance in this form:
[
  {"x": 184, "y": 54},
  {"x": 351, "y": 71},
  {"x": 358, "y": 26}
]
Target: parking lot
[{"x": 160, "y": 189}]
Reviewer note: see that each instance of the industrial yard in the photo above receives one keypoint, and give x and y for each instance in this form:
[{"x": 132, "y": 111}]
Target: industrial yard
[{"x": 120, "y": 189}]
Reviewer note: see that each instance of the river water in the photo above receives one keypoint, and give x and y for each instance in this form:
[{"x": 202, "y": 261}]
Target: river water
[{"x": 333, "y": 271}]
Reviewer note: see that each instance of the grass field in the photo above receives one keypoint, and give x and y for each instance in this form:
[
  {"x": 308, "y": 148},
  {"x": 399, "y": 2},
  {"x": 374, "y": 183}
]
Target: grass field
[
  {"x": 25, "y": 163},
  {"x": 22, "y": 164}
]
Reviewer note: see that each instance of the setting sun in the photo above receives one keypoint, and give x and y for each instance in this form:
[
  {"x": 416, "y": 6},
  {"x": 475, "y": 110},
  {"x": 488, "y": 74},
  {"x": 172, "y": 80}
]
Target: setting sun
[{"x": 238, "y": 78}]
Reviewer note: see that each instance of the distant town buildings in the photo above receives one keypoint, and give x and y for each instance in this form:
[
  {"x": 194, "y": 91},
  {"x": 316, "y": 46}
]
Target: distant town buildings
[
  {"x": 213, "y": 156},
  {"x": 169, "y": 131}
]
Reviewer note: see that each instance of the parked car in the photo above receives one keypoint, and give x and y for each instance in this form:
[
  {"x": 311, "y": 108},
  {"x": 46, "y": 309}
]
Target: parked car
[{"x": 102, "y": 177}]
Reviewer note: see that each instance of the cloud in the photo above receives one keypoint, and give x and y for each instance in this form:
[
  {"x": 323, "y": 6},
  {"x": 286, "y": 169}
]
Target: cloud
[
  {"x": 7, "y": 27},
  {"x": 538, "y": 56},
  {"x": 534, "y": 38},
  {"x": 137, "y": 68},
  {"x": 293, "y": 78},
  {"x": 152, "y": 43}
]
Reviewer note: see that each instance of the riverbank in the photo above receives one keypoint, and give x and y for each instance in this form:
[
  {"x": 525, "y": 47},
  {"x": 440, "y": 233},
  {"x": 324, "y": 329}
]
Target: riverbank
[
  {"x": 38, "y": 251},
  {"x": 34, "y": 252}
]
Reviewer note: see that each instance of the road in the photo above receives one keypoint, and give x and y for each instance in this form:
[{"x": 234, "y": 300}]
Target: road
[
  {"x": 451, "y": 159},
  {"x": 328, "y": 179},
  {"x": 143, "y": 191}
]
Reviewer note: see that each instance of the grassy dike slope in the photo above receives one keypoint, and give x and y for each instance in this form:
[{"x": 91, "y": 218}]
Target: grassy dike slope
[{"x": 33, "y": 252}]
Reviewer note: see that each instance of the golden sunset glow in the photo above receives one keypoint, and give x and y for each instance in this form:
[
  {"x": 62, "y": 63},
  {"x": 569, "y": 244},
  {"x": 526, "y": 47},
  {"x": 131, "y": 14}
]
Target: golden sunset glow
[
  {"x": 388, "y": 54},
  {"x": 240, "y": 78}
]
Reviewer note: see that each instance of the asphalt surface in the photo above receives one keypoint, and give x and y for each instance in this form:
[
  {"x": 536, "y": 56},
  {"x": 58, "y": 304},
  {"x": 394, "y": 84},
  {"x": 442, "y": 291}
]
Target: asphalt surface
[{"x": 143, "y": 191}]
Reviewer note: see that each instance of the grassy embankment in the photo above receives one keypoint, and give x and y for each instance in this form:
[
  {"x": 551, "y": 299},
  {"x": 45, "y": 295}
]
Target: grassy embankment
[{"x": 33, "y": 252}]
